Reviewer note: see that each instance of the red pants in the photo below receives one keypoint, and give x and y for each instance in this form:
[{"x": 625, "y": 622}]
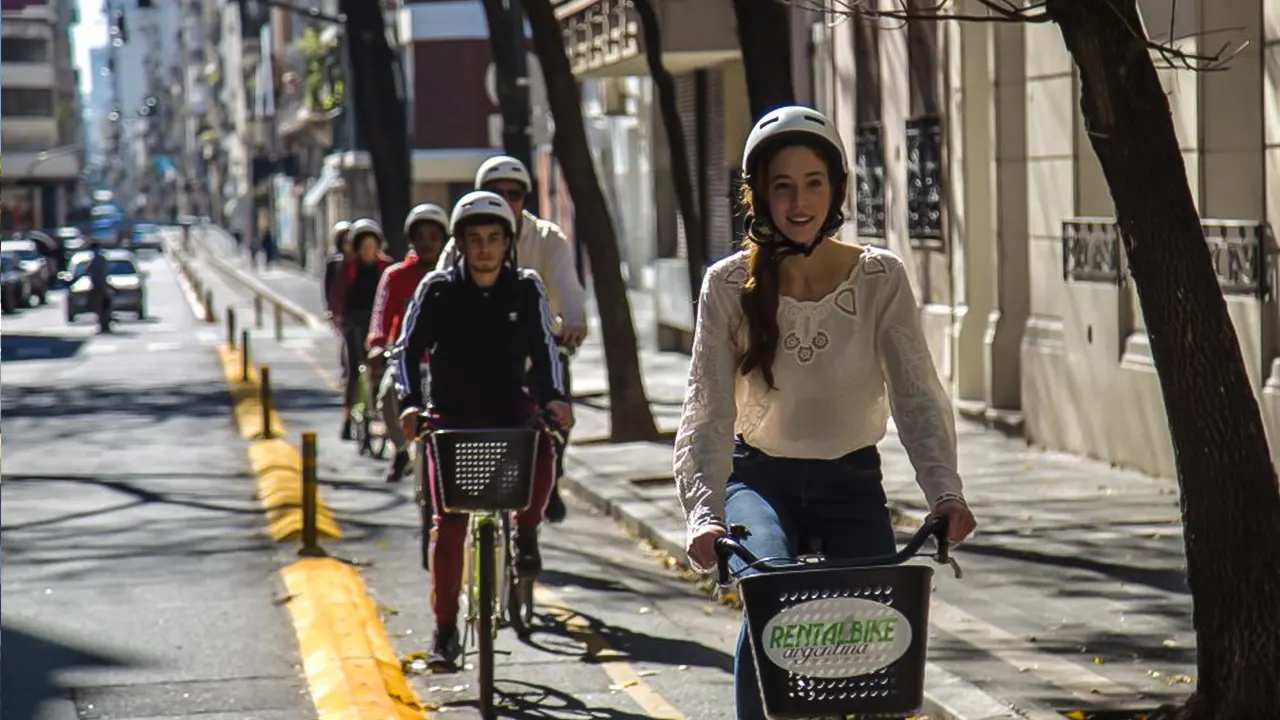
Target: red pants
[{"x": 450, "y": 532}]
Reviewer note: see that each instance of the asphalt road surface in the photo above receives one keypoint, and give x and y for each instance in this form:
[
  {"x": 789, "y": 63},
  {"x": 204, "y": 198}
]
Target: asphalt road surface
[{"x": 137, "y": 580}]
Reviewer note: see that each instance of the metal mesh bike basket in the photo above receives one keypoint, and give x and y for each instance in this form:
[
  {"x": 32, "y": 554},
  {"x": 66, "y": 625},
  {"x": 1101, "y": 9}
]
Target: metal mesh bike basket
[
  {"x": 485, "y": 470},
  {"x": 831, "y": 641}
]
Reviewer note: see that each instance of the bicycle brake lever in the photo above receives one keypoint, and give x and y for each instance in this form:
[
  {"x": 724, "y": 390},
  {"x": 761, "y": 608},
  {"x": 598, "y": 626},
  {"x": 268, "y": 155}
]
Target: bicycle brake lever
[{"x": 955, "y": 567}]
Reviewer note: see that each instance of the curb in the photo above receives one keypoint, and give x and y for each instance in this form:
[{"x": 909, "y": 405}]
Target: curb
[
  {"x": 254, "y": 286},
  {"x": 946, "y": 696},
  {"x": 351, "y": 668}
]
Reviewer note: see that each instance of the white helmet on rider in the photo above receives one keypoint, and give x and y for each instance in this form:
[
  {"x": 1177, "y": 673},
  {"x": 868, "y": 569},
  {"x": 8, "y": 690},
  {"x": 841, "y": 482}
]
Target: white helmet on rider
[
  {"x": 340, "y": 228},
  {"x": 793, "y": 121},
  {"x": 503, "y": 167},
  {"x": 482, "y": 204},
  {"x": 366, "y": 226},
  {"x": 796, "y": 123},
  {"x": 427, "y": 212}
]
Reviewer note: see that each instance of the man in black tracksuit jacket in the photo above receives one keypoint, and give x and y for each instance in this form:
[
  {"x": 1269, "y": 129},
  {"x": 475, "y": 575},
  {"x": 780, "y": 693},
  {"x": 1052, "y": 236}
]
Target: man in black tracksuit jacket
[{"x": 479, "y": 321}]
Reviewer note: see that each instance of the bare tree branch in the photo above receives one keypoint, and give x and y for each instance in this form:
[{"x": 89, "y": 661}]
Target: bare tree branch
[{"x": 1011, "y": 11}]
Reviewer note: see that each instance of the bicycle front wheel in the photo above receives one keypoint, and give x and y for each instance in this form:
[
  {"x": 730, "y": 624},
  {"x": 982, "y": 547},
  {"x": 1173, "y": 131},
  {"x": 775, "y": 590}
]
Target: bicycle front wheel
[{"x": 485, "y": 630}]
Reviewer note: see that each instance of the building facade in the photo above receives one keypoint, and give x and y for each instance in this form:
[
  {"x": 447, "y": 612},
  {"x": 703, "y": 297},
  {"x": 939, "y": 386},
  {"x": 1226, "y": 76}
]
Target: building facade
[
  {"x": 42, "y": 142},
  {"x": 971, "y": 163}
]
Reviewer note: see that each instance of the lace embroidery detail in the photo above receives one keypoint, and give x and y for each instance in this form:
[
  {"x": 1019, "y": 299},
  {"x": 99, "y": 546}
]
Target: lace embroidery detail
[{"x": 803, "y": 335}]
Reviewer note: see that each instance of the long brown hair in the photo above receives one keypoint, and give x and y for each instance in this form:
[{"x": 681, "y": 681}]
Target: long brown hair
[{"x": 761, "y": 290}]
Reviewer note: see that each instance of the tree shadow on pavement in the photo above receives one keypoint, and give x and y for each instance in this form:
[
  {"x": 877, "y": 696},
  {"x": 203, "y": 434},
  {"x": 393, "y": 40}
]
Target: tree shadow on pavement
[
  {"x": 1163, "y": 579},
  {"x": 98, "y": 404},
  {"x": 555, "y": 578},
  {"x": 30, "y": 663},
  {"x": 526, "y": 701},
  {"x": 637, "y": 646},
  {"x": 15, "y": 347}
]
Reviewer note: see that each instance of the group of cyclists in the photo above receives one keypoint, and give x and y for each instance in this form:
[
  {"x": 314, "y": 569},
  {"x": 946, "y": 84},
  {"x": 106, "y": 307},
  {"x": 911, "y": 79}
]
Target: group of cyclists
[
  {"x": 803, "y": 346},
  {"x": 472, "y": 329}
]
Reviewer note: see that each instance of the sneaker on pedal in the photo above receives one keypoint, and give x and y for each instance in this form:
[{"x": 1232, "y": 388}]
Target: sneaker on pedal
[
  {"x": 445, "y": 649},
  {"x": 398, "y": 464},
  {"x": 528, "y": 557}
]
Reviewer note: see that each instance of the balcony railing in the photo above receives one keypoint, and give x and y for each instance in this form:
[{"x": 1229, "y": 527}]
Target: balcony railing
[
  {"x": 1238, "y": 249},
  {"x": 924, "y": 182},
  {"x": 869, "y": 181},
  {"x": 1091, "y": 250},
  {"x": 598, "y": 32}
]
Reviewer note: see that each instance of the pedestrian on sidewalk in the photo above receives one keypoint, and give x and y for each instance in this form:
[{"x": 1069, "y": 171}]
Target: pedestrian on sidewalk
[
  {"x": 427, "y": 227},
  {"x": 352, "y": 304},
  {"x": 803, "y": 344},
  {"x": 341, "y": 238}
]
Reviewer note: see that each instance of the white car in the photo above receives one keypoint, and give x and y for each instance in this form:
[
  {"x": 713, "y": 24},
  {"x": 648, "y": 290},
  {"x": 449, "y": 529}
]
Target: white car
[{"x": 126, "y": 281}]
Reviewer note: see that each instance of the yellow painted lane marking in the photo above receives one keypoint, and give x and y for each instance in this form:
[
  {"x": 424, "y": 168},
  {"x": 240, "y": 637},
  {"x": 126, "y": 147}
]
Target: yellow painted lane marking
[{"x": 614, "y": 663}]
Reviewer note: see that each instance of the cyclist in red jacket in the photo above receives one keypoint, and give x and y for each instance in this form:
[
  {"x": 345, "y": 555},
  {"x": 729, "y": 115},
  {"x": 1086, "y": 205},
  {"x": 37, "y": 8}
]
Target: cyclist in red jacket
[{"x": 427, "y": 229}]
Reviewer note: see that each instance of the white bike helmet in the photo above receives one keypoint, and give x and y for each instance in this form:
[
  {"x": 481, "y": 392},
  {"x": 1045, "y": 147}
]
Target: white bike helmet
[
  {"x": 366, "y": 226},
  {"x": 503, "y": 167},
  {"x": 792, "y": 120},
  {"x": 482, "y": 204},
  {"x": 427, "y": 212},
  {"x": 339, "y": 228}
]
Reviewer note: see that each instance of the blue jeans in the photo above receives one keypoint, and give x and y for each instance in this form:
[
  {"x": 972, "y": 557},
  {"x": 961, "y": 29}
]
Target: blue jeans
[{"x": 789, "y": 505}]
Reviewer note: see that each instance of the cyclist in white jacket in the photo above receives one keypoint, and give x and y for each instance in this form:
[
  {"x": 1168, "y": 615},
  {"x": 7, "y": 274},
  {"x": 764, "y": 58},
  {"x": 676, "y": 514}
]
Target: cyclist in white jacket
[{"x": 542, "y": 246}]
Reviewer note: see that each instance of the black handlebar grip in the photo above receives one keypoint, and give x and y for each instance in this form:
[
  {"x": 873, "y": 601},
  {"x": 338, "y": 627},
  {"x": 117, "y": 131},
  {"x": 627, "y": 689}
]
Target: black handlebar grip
[{"x": 940, "y": 539}]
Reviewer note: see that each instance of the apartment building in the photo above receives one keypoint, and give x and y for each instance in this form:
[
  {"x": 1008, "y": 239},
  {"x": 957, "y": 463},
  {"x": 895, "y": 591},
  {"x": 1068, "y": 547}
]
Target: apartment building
[{"x": 40, "y": 101}]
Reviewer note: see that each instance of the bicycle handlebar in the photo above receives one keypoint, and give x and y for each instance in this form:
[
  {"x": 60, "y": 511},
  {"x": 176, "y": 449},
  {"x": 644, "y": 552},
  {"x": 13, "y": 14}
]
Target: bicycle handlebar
[
  {"x": 730, "y": 545},
  {"x": 542, "y": 420}
]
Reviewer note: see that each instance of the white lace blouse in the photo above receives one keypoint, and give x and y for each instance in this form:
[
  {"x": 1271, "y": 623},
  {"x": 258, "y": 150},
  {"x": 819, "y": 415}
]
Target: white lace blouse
[{"x": 842, "y": 363}]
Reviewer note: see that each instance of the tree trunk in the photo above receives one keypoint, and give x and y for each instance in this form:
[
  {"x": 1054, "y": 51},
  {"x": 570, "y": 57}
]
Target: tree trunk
[
  {"x": 1230, "y": 502},
  {"x": 630, "y": 417},
  {"x": 507, "y": 46},
  {"x": 694, "y": 231},
  {"x": 380, "y": 114},
  {"x": 765, "y": 38}
]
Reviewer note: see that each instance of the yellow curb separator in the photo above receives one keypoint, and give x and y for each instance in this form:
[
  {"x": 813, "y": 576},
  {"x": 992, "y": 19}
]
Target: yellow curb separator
[
  {"x": 351, "y": 668},
  {"x": 278, "y": 467},
  {"x": 276, "y": 464}
]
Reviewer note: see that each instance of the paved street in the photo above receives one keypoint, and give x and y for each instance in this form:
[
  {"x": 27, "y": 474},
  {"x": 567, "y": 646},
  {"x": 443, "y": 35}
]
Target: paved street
[
  {"x": 137, "y": 579},
  {"x": 1073, "y": 595}
]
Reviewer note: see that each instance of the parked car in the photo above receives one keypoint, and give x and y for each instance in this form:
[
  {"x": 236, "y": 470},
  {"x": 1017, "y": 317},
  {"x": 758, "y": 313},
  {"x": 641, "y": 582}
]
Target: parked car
[
  {"x": 15, "y": 291},
  {"x": 33, "y": 264},
  {"x": 127, "y": 283}
]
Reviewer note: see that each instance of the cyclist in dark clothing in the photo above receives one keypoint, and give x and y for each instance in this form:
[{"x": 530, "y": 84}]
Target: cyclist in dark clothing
[
  {"x": 341, "y": 236},
  {"x": 351, "y": 304},
  {"x": 481, "y": 320}
]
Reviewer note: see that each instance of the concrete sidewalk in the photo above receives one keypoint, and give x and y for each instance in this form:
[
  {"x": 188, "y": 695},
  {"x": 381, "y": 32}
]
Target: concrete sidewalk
[{"x": 1074, "y": 595}]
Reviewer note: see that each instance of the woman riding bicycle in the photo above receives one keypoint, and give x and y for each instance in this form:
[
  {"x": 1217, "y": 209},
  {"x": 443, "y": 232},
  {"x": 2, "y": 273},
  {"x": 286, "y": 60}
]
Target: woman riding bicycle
[
  {"x": 351, "y": 304},
  {"x": 802, "y": 345}
]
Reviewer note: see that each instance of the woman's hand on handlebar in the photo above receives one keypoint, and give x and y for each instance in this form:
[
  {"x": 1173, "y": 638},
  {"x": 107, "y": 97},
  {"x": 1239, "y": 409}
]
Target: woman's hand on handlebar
[
  {"x": 960, "y": 520},
  {"x": 702, "y": 547}
]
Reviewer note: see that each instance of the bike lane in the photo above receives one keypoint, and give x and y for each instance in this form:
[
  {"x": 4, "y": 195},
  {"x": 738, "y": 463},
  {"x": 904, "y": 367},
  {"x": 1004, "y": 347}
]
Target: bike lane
[{"x": 659, "y": 648}]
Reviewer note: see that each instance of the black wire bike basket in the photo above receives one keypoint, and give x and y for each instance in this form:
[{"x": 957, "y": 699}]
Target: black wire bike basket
[
  {"x": 485, "y": 470},
  {"x": 837, "y": 641}
]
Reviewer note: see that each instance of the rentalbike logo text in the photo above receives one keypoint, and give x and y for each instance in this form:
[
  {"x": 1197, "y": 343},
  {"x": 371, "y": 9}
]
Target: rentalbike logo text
[{"x": 836, "y": 637}]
